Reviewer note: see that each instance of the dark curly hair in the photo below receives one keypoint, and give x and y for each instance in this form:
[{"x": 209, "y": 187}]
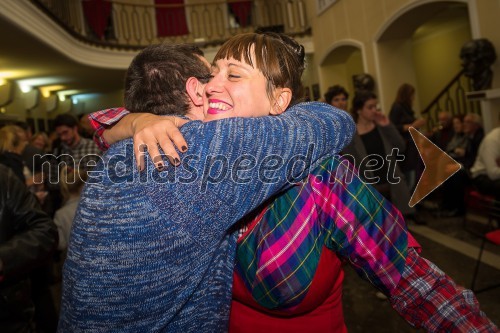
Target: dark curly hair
[{"x": 156, "y": 79}]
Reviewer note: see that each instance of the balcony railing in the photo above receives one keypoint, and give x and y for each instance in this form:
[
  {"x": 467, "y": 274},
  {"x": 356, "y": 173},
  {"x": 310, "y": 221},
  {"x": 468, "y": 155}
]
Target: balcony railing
[{"x": 131, "y": 24}]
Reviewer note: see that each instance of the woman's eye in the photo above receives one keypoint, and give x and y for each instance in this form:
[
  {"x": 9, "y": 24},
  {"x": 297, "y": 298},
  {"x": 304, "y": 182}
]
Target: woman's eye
[{"x": 234, "y": 76}]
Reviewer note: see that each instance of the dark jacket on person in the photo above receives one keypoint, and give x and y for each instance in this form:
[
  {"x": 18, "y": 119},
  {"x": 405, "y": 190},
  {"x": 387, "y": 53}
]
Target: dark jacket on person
[
  {"x": 400, "y": 193},
  {"x": 399, "y": 116},
  {"x": 28, "y": 238},
  {"x": 475, "y": 141},
  {"x": 15, "y": 163}
]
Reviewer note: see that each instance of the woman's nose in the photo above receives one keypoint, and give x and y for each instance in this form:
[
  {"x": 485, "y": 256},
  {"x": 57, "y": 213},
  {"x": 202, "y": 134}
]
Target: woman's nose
[{"x": 214, "y": 85}]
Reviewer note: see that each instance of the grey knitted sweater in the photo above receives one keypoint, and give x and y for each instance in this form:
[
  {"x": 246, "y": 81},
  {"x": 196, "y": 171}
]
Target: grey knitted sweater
[{"x": 154, "y": 251}]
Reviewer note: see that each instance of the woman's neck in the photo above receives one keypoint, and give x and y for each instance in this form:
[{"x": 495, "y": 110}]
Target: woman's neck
[{"x": 364, "y": 125}]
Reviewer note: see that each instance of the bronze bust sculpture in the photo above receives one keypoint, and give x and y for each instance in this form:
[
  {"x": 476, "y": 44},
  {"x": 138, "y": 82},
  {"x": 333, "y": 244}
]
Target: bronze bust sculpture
[{"x": 477, "y": 56}]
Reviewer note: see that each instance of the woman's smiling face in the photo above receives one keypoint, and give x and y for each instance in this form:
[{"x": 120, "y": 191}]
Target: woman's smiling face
[{"x": 236, "y": 90}]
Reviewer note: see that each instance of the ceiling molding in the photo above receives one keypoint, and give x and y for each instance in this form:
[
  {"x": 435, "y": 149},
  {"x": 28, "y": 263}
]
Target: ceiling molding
[{"x": 30, "y": 19}]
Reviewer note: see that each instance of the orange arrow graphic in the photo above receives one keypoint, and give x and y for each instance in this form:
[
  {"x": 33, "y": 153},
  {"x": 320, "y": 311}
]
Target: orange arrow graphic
[{"x": 439, "y": 166}]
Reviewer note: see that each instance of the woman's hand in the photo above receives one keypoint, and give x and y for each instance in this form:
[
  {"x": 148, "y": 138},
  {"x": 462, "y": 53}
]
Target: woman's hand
[
  {"x": 381, "y": 119},
  {"x": 151, "y": 131},
  {"x": 418, "y": 123}
]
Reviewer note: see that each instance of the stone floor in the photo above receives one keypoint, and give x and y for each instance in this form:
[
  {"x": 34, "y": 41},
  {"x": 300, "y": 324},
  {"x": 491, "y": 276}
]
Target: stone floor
[{"x": 452, "y": 248}]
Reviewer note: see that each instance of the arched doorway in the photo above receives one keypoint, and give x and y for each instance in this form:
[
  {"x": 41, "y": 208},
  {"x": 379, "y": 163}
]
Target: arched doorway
[
  {"x": 420, "y": 45},
  {"x": 339, "y": 66}
]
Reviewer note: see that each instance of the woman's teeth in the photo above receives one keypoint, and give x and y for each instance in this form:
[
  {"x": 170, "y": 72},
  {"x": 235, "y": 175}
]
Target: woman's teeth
[{"x": 220, "y": 106}]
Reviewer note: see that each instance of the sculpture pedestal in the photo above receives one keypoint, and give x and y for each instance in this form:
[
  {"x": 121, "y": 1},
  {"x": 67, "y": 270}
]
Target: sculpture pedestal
[{"x": 490, "y": 106}]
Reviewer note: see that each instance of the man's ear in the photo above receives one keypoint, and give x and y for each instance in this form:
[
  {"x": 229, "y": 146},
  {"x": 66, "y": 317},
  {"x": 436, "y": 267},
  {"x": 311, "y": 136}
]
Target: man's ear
[
  {"x": 195, "y": 88},
  {"x": 283, "y": 96}
]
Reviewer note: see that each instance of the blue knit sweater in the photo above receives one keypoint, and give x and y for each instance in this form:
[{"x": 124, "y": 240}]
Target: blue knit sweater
[{"x": 154, "y": 252}]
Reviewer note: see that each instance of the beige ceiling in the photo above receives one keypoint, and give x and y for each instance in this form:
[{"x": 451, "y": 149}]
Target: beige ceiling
[{"x": 27, "y": 57}]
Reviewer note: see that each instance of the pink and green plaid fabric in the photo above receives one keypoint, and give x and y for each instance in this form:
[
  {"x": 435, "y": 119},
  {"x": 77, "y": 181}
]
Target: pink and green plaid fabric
[{"x": 278, "y": 258}]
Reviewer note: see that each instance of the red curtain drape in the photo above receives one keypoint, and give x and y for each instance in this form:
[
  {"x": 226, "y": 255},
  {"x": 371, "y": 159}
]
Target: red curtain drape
[
  {"x": 241, "y": 11},
  {"x": 97, "y": 13},
  {"x": 171, "y": 21}
]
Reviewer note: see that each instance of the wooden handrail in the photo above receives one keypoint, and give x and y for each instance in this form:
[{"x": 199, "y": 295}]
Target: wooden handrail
[{"x": 443, "y": 91}]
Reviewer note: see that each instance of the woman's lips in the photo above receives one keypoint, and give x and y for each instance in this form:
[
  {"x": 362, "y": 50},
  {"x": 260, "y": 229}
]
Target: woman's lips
[
  {"x": 216, "y": 106},
  {"x": 215, "y": 111}
]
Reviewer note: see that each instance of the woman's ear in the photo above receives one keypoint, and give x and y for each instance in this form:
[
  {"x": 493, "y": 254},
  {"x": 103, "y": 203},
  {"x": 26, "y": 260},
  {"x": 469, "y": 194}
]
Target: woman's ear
[
  {"x": 195, "y": 88},
  {"x": 283, "y": 96}
]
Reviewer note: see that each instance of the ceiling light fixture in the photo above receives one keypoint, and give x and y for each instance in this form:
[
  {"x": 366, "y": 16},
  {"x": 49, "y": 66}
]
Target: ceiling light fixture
[
  {"x": 25, "y": 88},
  {"x": 62, "y": 94},
  {"x": 46, "y": 90}
]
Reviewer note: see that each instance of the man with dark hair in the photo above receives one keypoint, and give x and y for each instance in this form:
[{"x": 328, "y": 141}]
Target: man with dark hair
[
  {"x": 151, "y": 75},
  {"x": 76, "y": 152}
]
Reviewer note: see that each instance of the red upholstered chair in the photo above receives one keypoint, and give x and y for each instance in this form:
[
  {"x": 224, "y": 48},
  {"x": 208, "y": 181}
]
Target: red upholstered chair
[
  {"x": 491, "y": 237},
  {"x": 481, "y": 204},
  {"x": 486, "y": 206}
]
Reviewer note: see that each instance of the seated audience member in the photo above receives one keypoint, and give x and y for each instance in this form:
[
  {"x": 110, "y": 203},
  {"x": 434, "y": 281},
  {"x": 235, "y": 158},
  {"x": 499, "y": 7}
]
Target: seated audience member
[
  {"x": 452, "y": 190},
  {"x": 443, "y": 132},
  {"x": 459, "y": 144},
  {"x": 473, "y": 129},
  {"x": 338, "y": 97},
  {"x": 486, "y": 169},
  {"x": 28, "y": 237}
]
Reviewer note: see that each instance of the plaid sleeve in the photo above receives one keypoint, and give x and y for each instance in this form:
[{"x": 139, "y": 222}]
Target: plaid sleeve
[
  {"x": 426, "y": 297},
  {"x": 101, "y": 120},
  {"x": 364, "y": 228}
]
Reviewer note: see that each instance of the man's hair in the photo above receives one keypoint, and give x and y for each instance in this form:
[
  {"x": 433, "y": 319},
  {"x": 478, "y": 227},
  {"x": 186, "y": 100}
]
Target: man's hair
[
  {"x": 65, "y": 119},
  {"x": 156, "y": 79},
  {"x": 475, "y": 118},
  {"x": 335, "y": 91}
]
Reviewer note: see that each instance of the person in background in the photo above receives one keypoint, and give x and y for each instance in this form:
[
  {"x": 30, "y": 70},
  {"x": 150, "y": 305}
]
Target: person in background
[
  {"x": 403, "y": 117},
  {"x": 338, "y": 97},
  {"x": 86, "y": 129},
  {"x": 377, "y": 137},
  {"x": 441, "y": 135},
  {"x": 459, "y": 145},
  {"x": 12, "y": 144},
  {"x": 72, "y": 183},
  {"x": 486, "y": 169},
  {"x": 28, "y": 238},
  {"x": 76, "y": 151},
  {"x": 452, "y": 190},
  {"x": 473, "y": 129},
  {"x": 41, "y": 141}
]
